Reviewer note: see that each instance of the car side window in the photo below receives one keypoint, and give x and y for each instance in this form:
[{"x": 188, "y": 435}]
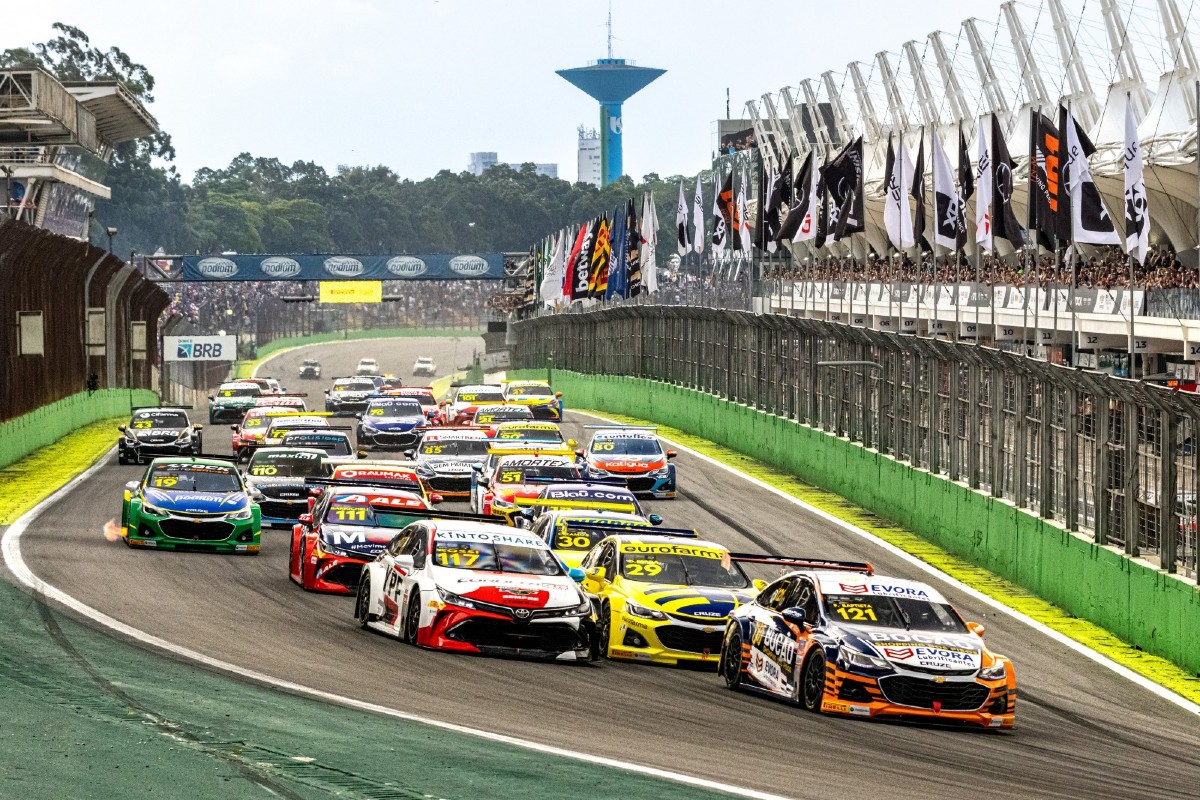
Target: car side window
[
  {"x": 805, "y": 596},
  {"x": 608, "y": 560},
  {"x": 418, "y": 547},
  {"x": 775, "y": 595},
  {"x": 592, "y": 558},
  {"x": 539, "y": 529},
  {"x": 396, "y": 546}
]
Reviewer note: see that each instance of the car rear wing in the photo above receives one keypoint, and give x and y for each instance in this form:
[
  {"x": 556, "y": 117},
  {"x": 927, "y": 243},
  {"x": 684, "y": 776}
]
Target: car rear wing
[
  {"x": 525, "y": 447},
  {"x": 299, "y": 413},
  {"x": 622, "y": 427},
  {"x": 624, "y": 527},
  {"x": 361, "y": 483},
  {"x": 527, "y": 502},
  {"x": 803, "y": 563},
  {"x": 577, "y": 482},
  {"x": 170, "y": 407},
  {"x": 431, "y": 513}
]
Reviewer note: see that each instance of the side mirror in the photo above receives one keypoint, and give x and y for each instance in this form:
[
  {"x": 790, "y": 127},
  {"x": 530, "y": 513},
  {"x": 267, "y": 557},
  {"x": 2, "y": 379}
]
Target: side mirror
[
  {"x": 558, "y": 395},
  {"x": 794, "y": 615},
  {"x": 976, "y": 628},
  {"x": 655, "y": 519},
  {"x": 121, "y": 428},
  {"x": 576, "y": 574},
  {"x": 405, "y": 562},
  {"x": 197, "y": 427},
  {"x": 358, "y": 416},
  {"x": 132, "y": 486},
  {"x": 210, "y": 398},
  {"x": 579, "y": 452},
  {"x": 315, "y": 491},
  {"x": 312, "y": 501},
  {"x": 362, "y": 453},
  {"x": 410, "y": 454},
  {"x": 759, "y": 584},
  {"x": 477, "y": 467},
  {"x": 572, "y": 443},
  {"x": 233, "y": 428},
  {"x": 304, "y": 519},
  {"x": 671, "y": 454},
  {"x": 435, "y": 498},
  {"x": 483, "y": 480},
  {"x": 596, "y": 573}
]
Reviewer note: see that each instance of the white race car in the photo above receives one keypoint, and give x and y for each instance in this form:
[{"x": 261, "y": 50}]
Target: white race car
[{"x": 474, "y": 587}]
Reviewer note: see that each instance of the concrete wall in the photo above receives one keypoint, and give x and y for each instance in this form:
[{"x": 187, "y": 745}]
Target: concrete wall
[
  {"x": 1154, "y": 611},
  {"x": 43, "y": 426}
]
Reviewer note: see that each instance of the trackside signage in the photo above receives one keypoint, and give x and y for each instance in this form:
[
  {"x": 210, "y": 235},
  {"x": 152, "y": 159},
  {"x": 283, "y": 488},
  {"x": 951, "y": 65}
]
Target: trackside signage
[
  {"x": 436, "y": 266},
  {"x": 199, "y": 348}
]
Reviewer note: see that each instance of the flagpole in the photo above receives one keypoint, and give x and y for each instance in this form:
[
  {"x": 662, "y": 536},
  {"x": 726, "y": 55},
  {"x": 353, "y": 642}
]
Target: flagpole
[{"x": 933, "y": 305}]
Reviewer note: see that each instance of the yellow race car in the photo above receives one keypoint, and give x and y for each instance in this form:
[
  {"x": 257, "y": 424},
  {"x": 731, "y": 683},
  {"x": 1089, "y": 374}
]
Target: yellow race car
[
  {"x": 572, "y": 533},
  {"x": 663, "y": 598},
  {"x": 544, "y": 402}
]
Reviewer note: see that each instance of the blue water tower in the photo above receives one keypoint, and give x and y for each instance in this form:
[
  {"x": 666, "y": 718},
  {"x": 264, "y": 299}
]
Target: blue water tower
[{"x": 611, "y": 81}]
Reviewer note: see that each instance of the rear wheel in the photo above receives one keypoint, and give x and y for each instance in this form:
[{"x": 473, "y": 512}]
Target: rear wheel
[
  {"x": 412, "y": 620},
  {"x": 731, "y": 662},
  {"x": 812, "y": 690}
]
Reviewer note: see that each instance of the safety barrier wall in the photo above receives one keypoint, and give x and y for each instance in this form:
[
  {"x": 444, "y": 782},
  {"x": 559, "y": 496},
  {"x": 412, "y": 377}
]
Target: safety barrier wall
[
  {"x": 60, "y": 278},
  {"x": 1149, "y": 608},
  {"x": 43, "y": 426}
]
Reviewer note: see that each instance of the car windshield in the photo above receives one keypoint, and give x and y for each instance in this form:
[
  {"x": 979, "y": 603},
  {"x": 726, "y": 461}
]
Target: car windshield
[
  {"x": 482, "y": 396},
  {"x": 496, "y": 557},
  {"x": 280, "y": 427},
  {"x": 518, "y": 474},
  {"x": 455, "y": 447},
  {"x": 532, "y": 391},
  {"x": 503, "y": 414},
  {"x": 539, "y": 434},
  {"x": 144, "y": 420},
  {"x": 705, "y": 567},
  {"x": 640, "y": 446},
  {"x": 308, "y": 362},
  {"x": 578, "y": 539},
  {"x": 332, "y": 445},
  {"x": 893, "y": 612},
  {"x": 255, "y": 422},
  {"x": 354, "y": 386},
  {"x": 239, "y": 391},
  {"x": 385, "y": 409},
  {"x": 265, "y": 464},
  {"x": 194, "y": 478}
]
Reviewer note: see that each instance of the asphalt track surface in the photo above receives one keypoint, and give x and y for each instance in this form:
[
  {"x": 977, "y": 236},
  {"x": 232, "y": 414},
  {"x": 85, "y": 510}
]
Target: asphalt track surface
[{"x": 1082, "y": 731}]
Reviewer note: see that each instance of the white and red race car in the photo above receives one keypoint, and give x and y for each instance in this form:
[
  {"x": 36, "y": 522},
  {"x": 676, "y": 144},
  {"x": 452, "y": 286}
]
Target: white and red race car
[{"x": 475, "y": 587}]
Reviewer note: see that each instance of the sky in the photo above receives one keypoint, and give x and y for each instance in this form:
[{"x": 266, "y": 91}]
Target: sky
[{"x": 417, "y": 85}]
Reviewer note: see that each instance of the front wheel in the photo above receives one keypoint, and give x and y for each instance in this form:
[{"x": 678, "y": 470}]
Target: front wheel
[
  {"x": 362, "y": 602},
  {"x": 603, "y": 631},
  {"x": 412, "y": 620},
  {"x": 731, "y": 662},
  {"x": 812, "y": 690}
]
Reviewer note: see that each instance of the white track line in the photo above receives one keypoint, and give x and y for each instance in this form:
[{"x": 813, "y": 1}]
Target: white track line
[
  {"x": 10, "y": 547},
  {"x": 929, "y": 569}
]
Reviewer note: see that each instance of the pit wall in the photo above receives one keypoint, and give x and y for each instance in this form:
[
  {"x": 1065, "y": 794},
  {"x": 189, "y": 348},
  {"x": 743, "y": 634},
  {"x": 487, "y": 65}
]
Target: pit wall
[
  {"x": 43, "y": 426},
  {"x": 1145, "y": 607}
]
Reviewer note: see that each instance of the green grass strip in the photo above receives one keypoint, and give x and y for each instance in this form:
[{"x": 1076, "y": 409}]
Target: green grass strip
[
  {"x": 1159, "y": 670},
  {"x": 37, "y": 476},
  {"x": 245, "y": 369}
]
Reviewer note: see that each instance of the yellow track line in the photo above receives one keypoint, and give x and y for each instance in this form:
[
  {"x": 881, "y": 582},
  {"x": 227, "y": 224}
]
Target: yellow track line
[{"x": 37, "y": 476}]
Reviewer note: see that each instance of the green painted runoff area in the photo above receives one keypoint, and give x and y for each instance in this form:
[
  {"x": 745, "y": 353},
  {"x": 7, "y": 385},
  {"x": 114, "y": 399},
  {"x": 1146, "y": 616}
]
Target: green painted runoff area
[
  {"x": 1147, "y": 608},
  {"x": 22, "y": 435}
]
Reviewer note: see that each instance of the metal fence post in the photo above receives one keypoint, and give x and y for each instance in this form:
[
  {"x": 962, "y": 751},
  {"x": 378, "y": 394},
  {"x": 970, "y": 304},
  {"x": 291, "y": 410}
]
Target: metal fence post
[
  {"x": 1070, "y": 471},
  {"x": 1132, "y": 479},
  {"x": 1168, "y": 526}
]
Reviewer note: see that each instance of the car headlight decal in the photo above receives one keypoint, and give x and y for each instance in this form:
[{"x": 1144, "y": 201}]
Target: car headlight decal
[
  {"x": 994, "y": 672},
  {"x": 854, "y": 658},
  {"x": 241, "y": 514},
  {"x": 636, "y": 610}
]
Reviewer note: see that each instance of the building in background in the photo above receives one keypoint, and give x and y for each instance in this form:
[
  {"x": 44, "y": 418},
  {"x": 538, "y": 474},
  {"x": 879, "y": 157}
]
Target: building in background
[
  {"x": 482, "y": 161},
  {"x": 589, "y": 156}
]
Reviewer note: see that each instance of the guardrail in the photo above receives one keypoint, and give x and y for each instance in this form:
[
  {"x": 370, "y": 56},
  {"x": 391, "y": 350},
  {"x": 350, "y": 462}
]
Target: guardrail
[{"x": 1111, "y": 457}]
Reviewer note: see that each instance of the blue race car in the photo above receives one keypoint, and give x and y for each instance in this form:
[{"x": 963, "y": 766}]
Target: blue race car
[{"x": 390, "y": 423}]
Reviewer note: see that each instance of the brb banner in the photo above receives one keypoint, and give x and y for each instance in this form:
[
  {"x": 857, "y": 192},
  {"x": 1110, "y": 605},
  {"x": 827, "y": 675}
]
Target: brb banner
[
  {"x": 199, "y": 348},
  {"x": 437, "y": 266}
]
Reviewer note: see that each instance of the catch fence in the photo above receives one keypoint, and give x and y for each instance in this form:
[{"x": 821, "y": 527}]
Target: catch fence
[{"x": 1111, "y": 457}]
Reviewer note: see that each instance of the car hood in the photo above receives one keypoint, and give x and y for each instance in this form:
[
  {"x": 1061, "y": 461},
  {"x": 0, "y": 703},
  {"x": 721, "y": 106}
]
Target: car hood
[
  {"x": 356, "y": 395},
  {"x": 630, "y": 463},
  {"x": 508, "y": 589},
  {"x": 234, "y": 401},
  {"x": 452, "y": 465},
  {"x": 361, "y": 540},
  {"x": 923, "y": 650},
  {"x": 155, "y": 433},
  {"x": 196, "y": 502},
  {"x": 278, "y": 483},
  {"x": 395, "y": 423},
  {"x": 529, "y": 400},
  {"x": 697, "y": 603},
  {"x": 510, "y": 491}
]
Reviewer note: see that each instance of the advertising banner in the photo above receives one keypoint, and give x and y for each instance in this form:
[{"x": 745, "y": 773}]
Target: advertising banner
[
  {"x": 437, "y": 266},
  {"x": 199, "y": 348},
  {"x": 351, "y": 292}
]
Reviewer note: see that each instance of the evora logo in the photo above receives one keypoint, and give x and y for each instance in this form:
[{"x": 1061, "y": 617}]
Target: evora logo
[
  {"x": 469, "y": 265},
  {"x": 217, "y": 268},
  {"x": 280, "y": 267},
  {"x": 344, "y": 267},
  {"x": 406, "y": 266}
]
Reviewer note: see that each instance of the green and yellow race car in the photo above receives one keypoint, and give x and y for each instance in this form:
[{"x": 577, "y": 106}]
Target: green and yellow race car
[
  {"x": 663, "y": 598},
  {"x": 190, "y": 504}
]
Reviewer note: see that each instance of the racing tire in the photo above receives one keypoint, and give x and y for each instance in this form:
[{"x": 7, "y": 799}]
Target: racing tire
[
  {"x": 603, "y": 631},
  {"x": 412, "y": 619},
  {"x": 731, "y": 663},
  {"x": 812, "y": 685},
  {"x": 362, "y": 602},
  {"x": 121, "y": 459}
]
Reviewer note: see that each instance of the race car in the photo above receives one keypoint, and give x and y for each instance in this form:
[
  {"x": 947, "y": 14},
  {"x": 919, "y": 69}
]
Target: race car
[
  {"x": 275, "y": 479},
  {"x": 663, "y": 599},
  {"x": 424, "y": 366},
  {"x": 422, "y": 394},
  {"x": 389, "y": 474},
  {"x": 367, "y": 366},
  {"x": 461, "y": 410},
  {"x": 348, "y": 396},
  {"x": 390, "y": 423},
  {"x": 473, "y": 587},
  {"x": 528, "y": 431},
  {"x": 268, "y": 385},
  {"x": 608, "y": 496},
  {"x": 287, "y": 402},
  {"x": 571, "y": 534},
  {"x": 250, "y": 433},
  {"x": 157, "y": 431},
  {"x": 280, "y": 425},
  {"x": 633, "y": 454},
  {"x": 446, "y": 457},
  {"x": 347, "y": 527},
  {"x": 334, "y": 442},
  {"x": 229, "y": 402},
  {"x": 495, "y": 493},
  {"x": 834, "y": 637},
  {"x": 488, "y": 415},
  {"x": 544, "y": 402},
  {"x": 310, "y": 369},
  {"x": 190, "y": 504}
]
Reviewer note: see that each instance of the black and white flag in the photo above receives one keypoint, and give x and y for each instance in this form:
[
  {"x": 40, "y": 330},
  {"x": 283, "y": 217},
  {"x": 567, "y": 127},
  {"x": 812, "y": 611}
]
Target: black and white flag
[
  {"x": 800, "y": 225},
  {"x": 948, "y": 206},
  {"x": 1090, "y": 221},
  {"x": 897, "y": 216},
  {"x": 1004, "y": 219},
  {"x": 1137, "y": 210},
  {"x": 684, "y": 245},
  {"x": 843, "y": 179}
]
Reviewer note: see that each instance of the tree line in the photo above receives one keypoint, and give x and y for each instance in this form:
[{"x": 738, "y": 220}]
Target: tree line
[{"x": 259, "y": 204}]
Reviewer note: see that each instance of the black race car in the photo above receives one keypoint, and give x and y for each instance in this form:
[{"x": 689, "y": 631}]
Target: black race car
[{"x": 158, "y": 431}]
